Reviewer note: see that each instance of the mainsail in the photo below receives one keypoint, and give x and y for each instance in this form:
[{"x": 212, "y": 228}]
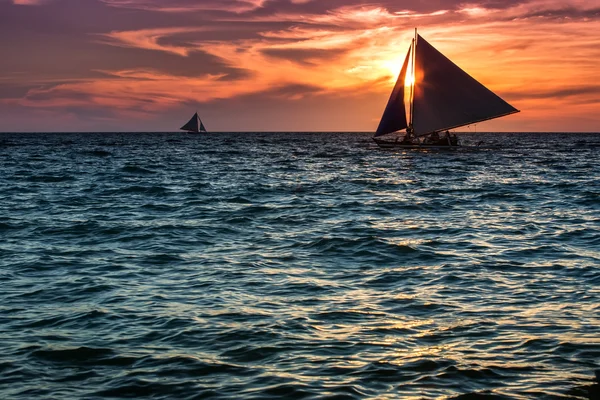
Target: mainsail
[
  {"x": 447, "y": 97},
  {"x": 443, "y": 97},
  {"x": 194, "y": 125},
  {"x": 394, "y": 115}
]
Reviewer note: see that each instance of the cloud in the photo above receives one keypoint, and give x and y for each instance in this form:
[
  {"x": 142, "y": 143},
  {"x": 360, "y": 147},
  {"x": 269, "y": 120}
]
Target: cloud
[
  {"x": 150, "y": 39},
  {"x": 583, "y": 93},
  {"x": 188, "y": 6},
  {"x": 28, "y": 2},
  {"x": 134, "y": 57},
  {"x": 304, "y": 55}
]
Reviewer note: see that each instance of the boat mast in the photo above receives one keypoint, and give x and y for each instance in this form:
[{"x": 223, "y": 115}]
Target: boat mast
[{"x": 412, "y": 82}]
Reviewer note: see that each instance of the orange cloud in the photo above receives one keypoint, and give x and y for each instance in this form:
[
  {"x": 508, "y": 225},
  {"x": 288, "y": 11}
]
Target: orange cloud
[{"x": 540, "y": 55}]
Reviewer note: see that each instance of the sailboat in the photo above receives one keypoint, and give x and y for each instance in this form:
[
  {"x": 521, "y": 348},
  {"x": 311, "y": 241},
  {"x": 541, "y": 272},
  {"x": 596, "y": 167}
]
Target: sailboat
[
  {"x": 194, "y": 125},
  {"x": 442, "y": 97}
]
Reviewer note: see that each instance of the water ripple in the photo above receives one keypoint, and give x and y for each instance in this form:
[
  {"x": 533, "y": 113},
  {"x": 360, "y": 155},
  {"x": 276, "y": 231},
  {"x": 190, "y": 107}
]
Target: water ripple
[{"x": 304, "y": 266}]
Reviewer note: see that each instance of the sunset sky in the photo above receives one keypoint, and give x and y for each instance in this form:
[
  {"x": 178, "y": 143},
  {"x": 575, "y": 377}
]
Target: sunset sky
[{"x": 285, "y": 65}]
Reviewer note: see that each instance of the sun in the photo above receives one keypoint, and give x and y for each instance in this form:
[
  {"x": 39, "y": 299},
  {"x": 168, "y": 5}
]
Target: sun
[{"x": 394, "y": 67}]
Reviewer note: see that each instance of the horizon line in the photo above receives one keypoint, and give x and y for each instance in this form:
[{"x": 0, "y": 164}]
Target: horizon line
[{"x": 277, "y": 131}]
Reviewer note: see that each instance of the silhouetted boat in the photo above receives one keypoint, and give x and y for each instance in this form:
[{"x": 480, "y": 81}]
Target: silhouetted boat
[
  {"x": 194, "y": 125},
  {"x": 442, "y": 97}
]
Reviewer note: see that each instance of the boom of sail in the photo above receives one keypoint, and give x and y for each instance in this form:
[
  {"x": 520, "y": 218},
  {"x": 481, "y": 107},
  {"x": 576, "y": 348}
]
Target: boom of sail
[
  {"x": 194, "y": 125},
  {"x": 442, "y": 96}
]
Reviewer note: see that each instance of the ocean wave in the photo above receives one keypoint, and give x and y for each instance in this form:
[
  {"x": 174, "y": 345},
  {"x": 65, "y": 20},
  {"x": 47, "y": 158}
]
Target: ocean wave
[{"x": 297, "y": 266}]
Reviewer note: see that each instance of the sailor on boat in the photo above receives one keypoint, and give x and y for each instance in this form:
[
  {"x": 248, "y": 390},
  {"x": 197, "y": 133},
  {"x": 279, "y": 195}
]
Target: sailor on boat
[
  {"x": 434, "y": 138},
  {"x": 454, "y": 140}
]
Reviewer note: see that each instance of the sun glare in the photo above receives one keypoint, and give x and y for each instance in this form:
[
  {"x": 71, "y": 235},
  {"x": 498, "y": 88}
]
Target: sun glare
[
  {"x": 409, "y": 80},
  {"x": 393, "y": 66}
]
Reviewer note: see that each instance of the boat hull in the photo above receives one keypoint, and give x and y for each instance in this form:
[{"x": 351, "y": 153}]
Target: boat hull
[{"x": 388, "y": 144}]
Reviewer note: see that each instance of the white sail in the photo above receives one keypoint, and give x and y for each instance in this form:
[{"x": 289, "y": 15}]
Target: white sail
[
  {"x": 394, "y": 115},
  {"x": 446, "y": 97}
]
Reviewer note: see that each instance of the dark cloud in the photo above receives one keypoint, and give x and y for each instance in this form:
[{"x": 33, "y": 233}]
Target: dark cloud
[
  {"x": 41, "y": 94},
  {"x": 12, "y": 91},
  {"x": 581, "y": 92},
  {"x": 569, "y": 13},
  {"x": 72, "y": 17},
  {"x": 305, "y": 56},
  {"x": 31, "y": 55},
  {"x": 321, "y": 7},
  {"x": 291, "y": 91}
]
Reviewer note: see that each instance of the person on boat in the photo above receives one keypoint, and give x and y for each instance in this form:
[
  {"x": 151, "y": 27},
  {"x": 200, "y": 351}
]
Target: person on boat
[
  {"x": 454, "y": 140},
  {"x": 406, "y": 139},
  {"x": 434, "y": 138}
]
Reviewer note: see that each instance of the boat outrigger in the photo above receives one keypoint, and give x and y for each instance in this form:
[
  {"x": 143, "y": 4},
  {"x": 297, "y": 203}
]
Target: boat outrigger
[
  {"x": 442, "y": 97},
  {"x": 194, "y": 125}
]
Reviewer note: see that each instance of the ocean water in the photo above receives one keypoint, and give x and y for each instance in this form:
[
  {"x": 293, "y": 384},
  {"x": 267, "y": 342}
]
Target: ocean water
[{"x": 298, "y": 266}]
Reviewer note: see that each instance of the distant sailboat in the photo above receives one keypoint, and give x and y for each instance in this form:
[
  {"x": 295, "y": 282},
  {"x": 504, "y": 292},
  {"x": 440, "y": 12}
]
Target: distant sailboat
[
  {"x": 442, "y": 97},
  {"x": 194, "y": 125}
]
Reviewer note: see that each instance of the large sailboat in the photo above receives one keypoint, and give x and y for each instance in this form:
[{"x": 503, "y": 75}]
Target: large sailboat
[
  {"x": 194, "y": 125},
  {"x": 440, "y": 96}
]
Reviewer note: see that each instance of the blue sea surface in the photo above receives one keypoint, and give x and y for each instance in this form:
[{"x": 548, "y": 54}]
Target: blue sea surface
[{"x": 298, "y": 266}]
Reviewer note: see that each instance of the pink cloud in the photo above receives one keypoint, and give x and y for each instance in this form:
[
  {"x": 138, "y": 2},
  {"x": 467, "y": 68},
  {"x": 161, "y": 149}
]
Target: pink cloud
[
  {"x": 149, "y": 39},
  {"x": 28, "y": 2},
  {"x": 532, "y": 53},
  {"x": 236, "y": 6}
]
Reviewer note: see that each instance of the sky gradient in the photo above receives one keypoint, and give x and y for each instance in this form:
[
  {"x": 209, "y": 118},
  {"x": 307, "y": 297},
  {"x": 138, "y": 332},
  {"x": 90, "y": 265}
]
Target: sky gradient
[{"x": 285, "y": 65}]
